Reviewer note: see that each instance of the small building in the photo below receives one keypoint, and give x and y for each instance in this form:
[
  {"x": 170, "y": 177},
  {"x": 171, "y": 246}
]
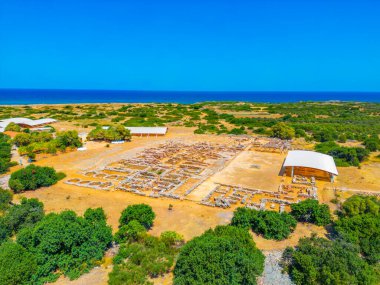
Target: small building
[
  {"x": 25, "y": 123},
  {"x": 147, "y": 131},
  {"x": 309, "y": 164}
]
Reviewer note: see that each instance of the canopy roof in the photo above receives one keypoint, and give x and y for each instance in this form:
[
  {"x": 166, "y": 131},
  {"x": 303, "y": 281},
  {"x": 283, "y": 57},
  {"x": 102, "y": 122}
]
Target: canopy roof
[
  {"x": 148, "y": 130},
  {"x": 311, "y": 159},
  {"x": 25, "y": 121}
]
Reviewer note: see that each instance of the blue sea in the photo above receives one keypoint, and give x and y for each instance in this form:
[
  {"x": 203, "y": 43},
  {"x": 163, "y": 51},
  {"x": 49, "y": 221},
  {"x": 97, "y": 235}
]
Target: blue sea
[{"x": 45, "y": 96}]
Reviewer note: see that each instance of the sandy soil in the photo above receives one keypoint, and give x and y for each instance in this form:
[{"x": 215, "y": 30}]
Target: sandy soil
[
  {"x": 366, "y": 178},
  {"x": 188, "y": 218}
]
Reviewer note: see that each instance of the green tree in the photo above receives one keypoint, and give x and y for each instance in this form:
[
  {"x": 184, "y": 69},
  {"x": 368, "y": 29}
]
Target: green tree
[
  {"x": 171, "y": 238},
  {"x": 68, "y": 139},
  {"x": 269, "y": 224},
  {"x": 128, "y": 274},
  {"x": 32, "y": 177},
  {"x": 372, "y": 143},
  {"x": 140, "y": 212},
  {"x": 283, "y": 131},
  {"x": 130, "y": 232},
  {"x": 22, "y": 139},
  {"x": 310, "y": 211},
  {"x": 359, "y": 223},
  {"x": 23, "y": 215},
  {"x": 225, "y": 255},
  {"x": 5, "y": 199},
  {"x": 110, "y": 134},
  {"x": 5, "y": 153},
  {"x": 66, "y": 243},
  {"x": 13, "y": 127},
  {"x": 17, "y": 265},
  {"x": 358, "y": 205},
  {"x": 318, "y": 261}
]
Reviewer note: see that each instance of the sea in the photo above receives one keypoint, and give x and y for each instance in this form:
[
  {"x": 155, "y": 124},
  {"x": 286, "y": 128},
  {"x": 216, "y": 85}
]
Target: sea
[{"x": 58, "y": 96}]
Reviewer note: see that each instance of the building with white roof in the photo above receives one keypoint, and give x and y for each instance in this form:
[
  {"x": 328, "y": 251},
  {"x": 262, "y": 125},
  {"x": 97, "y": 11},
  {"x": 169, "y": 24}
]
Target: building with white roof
[
  {"x": 25, "y": 122},
  {"x": 147, "y": 131},
  {"x": 310, "y": 164}
]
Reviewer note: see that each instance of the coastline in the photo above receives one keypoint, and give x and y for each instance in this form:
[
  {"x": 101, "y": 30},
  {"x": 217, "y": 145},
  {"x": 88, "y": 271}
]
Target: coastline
[{"x": 17, "y": 97}]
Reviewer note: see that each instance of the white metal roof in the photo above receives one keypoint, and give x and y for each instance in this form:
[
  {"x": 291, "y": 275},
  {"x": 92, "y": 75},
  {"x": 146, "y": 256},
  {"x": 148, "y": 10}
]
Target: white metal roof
[
  {"x": 148, "y": 130},
  {"x": 24, "y": 121},
  {"x": 311, "y": 159}
]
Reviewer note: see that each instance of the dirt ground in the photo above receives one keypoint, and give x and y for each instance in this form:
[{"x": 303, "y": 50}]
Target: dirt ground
[
  {"x": 366, "y": 178},
  {"x": 247, "y": 170}
]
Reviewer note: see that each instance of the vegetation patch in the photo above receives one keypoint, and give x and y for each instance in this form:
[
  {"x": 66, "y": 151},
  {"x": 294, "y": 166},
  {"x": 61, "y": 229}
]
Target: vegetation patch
[
  {"x": 66, "y": 244},
  {"x": 141, "y": 256},
  {"x": 310, "y": 211},
  {"x": 33, "y": 177},
  {"x": 352, "y": 254},
  {"x": 141, "y": 213},
  {"x": 343, "y": 156},
  {"x": 5, "y": 153},
  {"x": 320, "y": 261},
  {"x": 43, "y": 142},
  {"x": 225, "y": 255},
  {"x": 109, "y": 134},
  {"x": 269, "y": 224},
  {"x": 359, "y": 223},
  {"x": 17, "y": 217}
]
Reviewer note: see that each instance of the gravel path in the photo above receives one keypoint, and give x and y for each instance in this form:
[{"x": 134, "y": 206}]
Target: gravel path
[
  {"x": 4, "y": 181},
  {"x": 272, "y": 270}
]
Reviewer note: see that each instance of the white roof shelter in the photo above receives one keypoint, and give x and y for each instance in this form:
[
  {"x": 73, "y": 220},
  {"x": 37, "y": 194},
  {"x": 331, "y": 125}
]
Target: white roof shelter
[
  {"x": 147, "y": 130},
  {"x": 311, "y": 159},
  {"x": 25, "y": 121}
]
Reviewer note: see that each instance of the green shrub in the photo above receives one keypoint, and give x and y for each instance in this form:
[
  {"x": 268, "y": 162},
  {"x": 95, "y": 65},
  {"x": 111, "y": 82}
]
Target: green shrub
[
  {"x": 171, "y": 238},
  {"x": 111, "y": 134},
  {"x": 5, "y": 199},
  {"x": 310, "y": 211},
  {"x": 13, "y": 127},
  {"x": 140, "y": 212},
  {"x": 23, "y": 215},
  {"x": 17, "y": 265},
  {"x": 68, "y": 244},
  {"x": 5, "y": 153},
  {"x": 225, "y": 255},
  {"x": 33, "y": 177},
  {"x": 282, "y": 131},
  {"x": 269, "y": 224},
  {"x": 359, "y": 223},
  {"x": 130, "y": 232},
  {"x": 320, "y": 261},
  {"x": 343, "y": 156},
  {"x": 138, "y": 260}
]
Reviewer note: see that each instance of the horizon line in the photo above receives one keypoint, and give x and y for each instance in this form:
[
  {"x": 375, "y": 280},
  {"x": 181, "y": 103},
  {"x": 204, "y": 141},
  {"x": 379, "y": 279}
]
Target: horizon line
[{"x": 184, "y": 91}]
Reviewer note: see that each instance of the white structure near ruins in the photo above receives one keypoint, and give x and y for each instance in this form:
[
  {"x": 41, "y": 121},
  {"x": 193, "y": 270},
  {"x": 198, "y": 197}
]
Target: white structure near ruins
[{"x": 25, "y": 123}]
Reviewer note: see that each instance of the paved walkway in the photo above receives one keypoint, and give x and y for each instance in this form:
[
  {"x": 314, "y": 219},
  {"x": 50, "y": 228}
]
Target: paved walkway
[{"x": 273, "y": 271}]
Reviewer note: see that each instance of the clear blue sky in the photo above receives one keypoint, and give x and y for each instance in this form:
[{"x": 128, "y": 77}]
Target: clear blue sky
[{"x": 283, "y": 45}]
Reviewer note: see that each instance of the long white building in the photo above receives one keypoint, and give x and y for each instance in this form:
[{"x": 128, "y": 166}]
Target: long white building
[{"x": 25, "y": 122}]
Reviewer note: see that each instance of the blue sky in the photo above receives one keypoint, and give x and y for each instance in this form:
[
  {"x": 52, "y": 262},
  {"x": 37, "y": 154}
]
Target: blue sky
[{"x": 313, "y": 45}]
